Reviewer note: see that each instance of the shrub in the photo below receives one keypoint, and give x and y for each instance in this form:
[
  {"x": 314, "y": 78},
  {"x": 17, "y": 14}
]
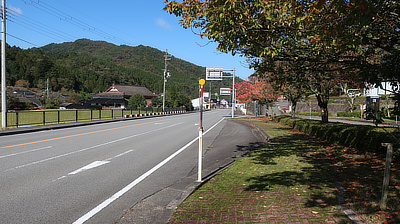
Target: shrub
[
  {"x": 362, "y": 137},
  {"x": 355, "y": 113},
  {"x": 313, "y": 113}
]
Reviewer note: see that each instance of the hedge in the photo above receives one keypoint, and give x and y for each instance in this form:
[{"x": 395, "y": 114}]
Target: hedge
[
  {"x": 355, "y": 113},
  {"x": 313, "y": 113},
  {"x": 362, "y": 137}
]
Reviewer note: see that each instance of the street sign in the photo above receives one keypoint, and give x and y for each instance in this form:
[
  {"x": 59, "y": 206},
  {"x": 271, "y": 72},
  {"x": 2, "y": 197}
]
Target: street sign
[
  {"x": 214, "y": 73},
  {"x": 202, "y": 82},
  {"x": 225, "y": 91}
]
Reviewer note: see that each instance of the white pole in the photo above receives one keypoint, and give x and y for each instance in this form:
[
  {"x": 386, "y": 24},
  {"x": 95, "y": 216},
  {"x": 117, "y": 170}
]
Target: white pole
[
  {"x": 201, "y": 82},
  {"x": 200, "y": 154},
  {"x": 3, "y": 68},
  {"x": 233, "y": 95}
]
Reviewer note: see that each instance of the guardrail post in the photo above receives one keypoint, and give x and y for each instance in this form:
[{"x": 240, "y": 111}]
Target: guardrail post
[
  {"x": 58, "y": 117},
  {"x": 91, "y": 114},
  {"x": 76, "y": 115},
  {"x": 386, "y": 176},
  {"x": 44, "y": 117},
  {"x": 16, "y": 118}
]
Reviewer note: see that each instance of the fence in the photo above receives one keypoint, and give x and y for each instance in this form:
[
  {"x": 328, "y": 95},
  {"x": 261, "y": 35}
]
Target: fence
[{"x": 46, "y": 117}]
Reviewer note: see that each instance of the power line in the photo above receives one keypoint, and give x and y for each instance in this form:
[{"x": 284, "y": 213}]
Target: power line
[
  {"x": 31, "y": 23},
  {"x": 97, "y": 21},
  {"x": 71, "y": 19},
  {"x": 8, "y": 34}
]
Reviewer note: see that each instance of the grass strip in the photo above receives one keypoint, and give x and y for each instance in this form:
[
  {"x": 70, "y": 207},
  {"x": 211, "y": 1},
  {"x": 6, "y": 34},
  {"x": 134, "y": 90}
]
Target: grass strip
[{"x": 289, "y": 180}]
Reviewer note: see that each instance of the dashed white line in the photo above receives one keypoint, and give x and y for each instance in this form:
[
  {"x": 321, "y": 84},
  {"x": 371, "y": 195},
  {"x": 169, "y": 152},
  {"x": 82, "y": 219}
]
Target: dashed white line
[
  {"x": 104, "y": 204},
  {"x": 85, "y": 149},
  {"x": 19, "y": 153}
]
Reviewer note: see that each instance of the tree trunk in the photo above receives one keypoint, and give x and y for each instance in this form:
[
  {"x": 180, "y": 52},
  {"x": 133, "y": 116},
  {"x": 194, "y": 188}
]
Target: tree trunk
[
  {"x": 294, "y": 104},
  {"x": 323, "y": 104}
]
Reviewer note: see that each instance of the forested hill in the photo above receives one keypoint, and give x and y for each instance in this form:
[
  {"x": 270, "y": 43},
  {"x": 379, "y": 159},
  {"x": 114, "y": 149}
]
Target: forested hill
[{"x": 92, "y": 66}]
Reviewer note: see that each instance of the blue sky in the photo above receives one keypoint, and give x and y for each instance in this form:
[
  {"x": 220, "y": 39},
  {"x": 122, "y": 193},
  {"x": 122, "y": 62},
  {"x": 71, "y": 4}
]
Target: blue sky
[{"x": 35, "y": 23}]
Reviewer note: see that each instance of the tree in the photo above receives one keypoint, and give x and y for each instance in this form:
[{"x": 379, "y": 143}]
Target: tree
[
  {"x": 75, "y": 98},
  {"x": 321, "y": 36},
  {"x": 21, "y": 84},
  {"x": 136, "y": 101},
  {"x": 260, "y": 91},
  {"x": 288, "y": 79},
  {"x": 13, "y": 102}
]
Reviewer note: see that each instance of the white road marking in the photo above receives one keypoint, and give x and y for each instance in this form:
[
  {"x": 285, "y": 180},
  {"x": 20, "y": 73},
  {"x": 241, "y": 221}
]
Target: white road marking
[
  {"x": 94, "y": 165},
  {"x": 19, "y": 153},
  {"x": 114, "y": 197},
  {"x": 119, "y": 155},
  {"x": 88, "y": 167},
  {"x": 85, "y": 149}
]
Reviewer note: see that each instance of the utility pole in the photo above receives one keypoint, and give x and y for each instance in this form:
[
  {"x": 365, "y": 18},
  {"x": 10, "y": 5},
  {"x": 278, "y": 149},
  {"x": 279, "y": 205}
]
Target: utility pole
[
  {"x": 166, "y": 75},
  {"x": 3, "y": 67}
]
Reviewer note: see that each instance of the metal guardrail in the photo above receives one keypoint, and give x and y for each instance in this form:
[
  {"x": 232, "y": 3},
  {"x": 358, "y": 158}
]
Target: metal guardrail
[{"x": 47, "y": 117}]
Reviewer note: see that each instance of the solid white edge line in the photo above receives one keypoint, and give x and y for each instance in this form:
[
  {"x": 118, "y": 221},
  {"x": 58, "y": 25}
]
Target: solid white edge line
[{"x": 104, "y": 204}]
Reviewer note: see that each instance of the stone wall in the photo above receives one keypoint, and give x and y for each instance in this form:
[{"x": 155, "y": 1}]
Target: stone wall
[{"x": 333, "y": 107}]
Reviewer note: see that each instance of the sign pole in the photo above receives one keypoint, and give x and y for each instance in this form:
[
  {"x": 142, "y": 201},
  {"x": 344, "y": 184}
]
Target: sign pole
[
  {"x": 233, "y": 95},
  {"x": 201, "y": 82}
]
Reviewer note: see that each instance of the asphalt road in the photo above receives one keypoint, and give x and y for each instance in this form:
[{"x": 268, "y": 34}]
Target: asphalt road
[{"x": 94, "y": 173}]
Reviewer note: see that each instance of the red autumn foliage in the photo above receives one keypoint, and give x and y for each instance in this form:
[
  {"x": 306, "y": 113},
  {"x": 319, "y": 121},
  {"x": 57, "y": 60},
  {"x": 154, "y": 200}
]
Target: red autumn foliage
[{"x": 248, "y": 91}]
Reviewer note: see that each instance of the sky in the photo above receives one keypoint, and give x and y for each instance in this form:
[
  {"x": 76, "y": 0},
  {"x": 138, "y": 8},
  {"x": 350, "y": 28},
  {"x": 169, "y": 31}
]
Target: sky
[{"x": 36, "y": 23}]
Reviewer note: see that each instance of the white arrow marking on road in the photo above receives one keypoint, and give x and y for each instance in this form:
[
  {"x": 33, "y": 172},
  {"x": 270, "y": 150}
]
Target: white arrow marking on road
[
  {"x": 90, "y": 166},
  {"x": 86, "y": 149},
  {"x": 105, "y": 203},
  {"x": 94, "y": 165}
]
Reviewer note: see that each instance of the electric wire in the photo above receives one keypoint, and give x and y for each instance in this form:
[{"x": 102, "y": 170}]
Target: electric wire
[
  {"x": 97, "y": 21},
  {"x": 31, "y": 23},
  {"x": 22, "y": 40},
  {"x": 40, "y": 5}
]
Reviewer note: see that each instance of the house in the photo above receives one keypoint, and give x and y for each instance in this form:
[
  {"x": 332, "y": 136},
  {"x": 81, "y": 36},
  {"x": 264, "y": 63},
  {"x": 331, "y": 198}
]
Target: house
[
  {"x": 117, "y": 96},
  {"x": 26, "y": 97},
  {"x": 78, "y": 106}
]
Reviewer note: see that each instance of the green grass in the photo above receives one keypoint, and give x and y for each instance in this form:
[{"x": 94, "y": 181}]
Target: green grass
[
  {"x": 287, "y": 180},
  {"x": 46, "y": 117},
  {"x": 292, "y": 179}
]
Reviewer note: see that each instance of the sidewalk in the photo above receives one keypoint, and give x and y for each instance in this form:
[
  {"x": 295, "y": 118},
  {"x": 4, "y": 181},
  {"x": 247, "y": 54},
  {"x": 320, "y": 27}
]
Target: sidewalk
[{"x": 289, "y": 180}]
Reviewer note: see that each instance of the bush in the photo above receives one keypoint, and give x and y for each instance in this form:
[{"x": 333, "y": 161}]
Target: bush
[
  {"x": 313, "y": 113},
  {"x": 355, "y": 113},
  {"x": 361, "y": 137}
]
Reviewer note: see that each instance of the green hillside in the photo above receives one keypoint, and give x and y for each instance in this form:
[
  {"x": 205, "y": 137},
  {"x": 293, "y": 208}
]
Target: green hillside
[{"x": 92, "y": 66}]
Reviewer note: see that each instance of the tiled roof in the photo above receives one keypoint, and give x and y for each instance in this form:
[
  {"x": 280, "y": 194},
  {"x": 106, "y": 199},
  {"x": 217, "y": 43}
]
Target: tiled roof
[{"x": 131, "y": 90}]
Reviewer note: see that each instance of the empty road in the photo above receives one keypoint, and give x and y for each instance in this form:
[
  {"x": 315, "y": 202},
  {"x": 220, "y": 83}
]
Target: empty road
[{"x": 92, "y": 174}]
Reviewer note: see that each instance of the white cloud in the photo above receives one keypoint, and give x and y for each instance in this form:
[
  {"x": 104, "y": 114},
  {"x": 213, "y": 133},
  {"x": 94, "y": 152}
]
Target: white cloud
[
  {"x": 161, "y": 22},
  {"x": 14, "y": 10}
]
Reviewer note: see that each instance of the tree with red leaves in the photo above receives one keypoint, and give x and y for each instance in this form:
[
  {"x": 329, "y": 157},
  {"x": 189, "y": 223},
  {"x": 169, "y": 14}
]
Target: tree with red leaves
[{"x": 261, "y": 91}]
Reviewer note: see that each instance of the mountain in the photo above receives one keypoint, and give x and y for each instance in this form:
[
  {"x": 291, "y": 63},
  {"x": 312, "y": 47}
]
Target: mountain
[{"x": 92, "y": 66}]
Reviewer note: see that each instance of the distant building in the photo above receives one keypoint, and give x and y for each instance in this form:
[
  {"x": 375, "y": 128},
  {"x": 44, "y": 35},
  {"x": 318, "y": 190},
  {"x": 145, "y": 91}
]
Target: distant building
[
  {"x": 386, "y": 88},
  {"x": 26, "y": 97},
  {"x": 117, "y": 96}
]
